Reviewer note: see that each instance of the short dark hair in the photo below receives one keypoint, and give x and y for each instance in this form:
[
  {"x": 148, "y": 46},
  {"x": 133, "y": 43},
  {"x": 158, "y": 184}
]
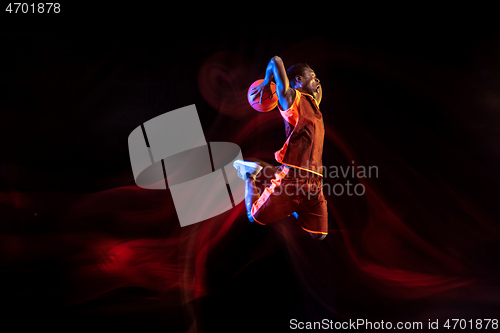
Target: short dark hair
[{"x": 294, "y": 70}]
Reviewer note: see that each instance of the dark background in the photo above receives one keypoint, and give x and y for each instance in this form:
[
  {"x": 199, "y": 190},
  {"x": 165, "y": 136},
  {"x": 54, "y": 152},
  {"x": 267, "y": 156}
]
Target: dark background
[{"x": 81, "y": 245}]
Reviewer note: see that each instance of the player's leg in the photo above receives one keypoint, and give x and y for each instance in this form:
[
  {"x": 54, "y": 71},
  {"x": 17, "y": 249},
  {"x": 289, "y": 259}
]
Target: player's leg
[
  {"x": 315, "y": 220},
  {"x": 313, "y": 212},
  {"x": 278, "y": 200},
  {"x": 251, "y": 196},
  {"x": 315, "y": 236},
  {"x": 248, "y": 171},
  {"x": 274, "y": 203}
]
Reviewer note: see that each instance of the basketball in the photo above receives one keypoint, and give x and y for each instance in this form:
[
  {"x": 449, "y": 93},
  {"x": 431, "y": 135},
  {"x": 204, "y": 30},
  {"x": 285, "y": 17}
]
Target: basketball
[{"x": 269, "y": 101}]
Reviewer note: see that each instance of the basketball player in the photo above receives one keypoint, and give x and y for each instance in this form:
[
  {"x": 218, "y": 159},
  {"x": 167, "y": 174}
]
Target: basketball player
[{"x": 297, "y": 186}]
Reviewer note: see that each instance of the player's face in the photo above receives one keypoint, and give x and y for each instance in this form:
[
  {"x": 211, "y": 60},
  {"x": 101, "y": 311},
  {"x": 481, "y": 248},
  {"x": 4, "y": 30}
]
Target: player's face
[{"x": 310, "y": 83}]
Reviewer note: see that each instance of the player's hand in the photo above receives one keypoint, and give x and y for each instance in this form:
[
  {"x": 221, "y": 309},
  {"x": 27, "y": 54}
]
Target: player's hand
[{"x": 260, "y": 90}]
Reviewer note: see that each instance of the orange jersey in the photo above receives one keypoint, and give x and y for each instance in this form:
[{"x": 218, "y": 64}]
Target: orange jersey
[{"x": 305, "y": 133}]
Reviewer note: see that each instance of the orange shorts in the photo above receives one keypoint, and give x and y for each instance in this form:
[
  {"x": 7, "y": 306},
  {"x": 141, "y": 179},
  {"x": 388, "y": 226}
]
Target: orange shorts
[{"x": 288, "y": 194}]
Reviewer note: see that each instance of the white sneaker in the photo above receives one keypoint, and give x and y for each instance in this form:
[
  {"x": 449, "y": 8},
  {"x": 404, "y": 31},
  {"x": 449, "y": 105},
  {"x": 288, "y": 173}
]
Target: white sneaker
[{"x": 246, "y": 169}]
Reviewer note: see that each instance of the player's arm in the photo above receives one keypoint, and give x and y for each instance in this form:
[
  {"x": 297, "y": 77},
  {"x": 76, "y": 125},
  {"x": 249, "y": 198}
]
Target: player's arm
[{"x": 276, "y": 71}]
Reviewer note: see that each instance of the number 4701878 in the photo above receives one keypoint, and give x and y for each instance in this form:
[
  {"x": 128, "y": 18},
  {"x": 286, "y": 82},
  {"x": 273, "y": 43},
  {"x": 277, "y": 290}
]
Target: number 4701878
[
  {"x": 40, "y": 8},
  {"x": 477, "y": 324}
]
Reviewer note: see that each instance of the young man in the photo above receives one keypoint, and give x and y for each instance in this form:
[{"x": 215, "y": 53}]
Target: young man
[{"x": 297, "y": 187}]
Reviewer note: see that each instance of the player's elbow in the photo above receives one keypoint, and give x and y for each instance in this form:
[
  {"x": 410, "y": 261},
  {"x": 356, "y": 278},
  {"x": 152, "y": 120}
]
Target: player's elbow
[{"x": 277, "y": 61}]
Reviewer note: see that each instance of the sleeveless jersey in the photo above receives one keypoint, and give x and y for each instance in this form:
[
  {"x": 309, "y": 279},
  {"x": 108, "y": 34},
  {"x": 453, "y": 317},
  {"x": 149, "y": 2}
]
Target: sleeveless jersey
[{"x": 305, "y": 133}]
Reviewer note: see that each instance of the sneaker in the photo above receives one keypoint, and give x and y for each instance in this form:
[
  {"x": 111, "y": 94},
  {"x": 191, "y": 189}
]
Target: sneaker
[{"x": 247, "y": 169}]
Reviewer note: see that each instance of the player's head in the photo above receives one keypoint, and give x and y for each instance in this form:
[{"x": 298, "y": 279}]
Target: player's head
[{"x": 303, "y": 78}]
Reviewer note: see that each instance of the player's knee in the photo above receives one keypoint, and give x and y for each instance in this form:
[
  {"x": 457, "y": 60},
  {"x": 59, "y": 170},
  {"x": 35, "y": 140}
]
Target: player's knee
[
  {"x": 318, "y": 237},
  {"x": 250, "y": 217}
]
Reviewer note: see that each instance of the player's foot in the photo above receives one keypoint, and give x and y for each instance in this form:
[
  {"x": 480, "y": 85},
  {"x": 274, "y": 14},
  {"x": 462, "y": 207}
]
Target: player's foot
[{"x": 247, "y": 169}]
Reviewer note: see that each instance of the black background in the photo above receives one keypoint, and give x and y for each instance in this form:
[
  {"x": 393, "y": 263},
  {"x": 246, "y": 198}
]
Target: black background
[{"x": 416, "y": 95}]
